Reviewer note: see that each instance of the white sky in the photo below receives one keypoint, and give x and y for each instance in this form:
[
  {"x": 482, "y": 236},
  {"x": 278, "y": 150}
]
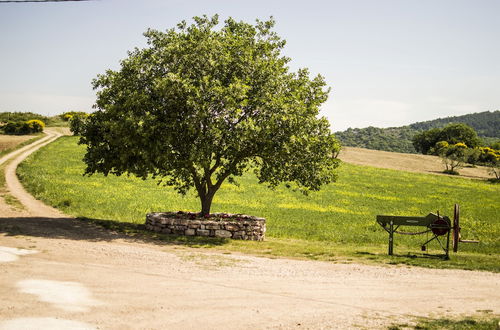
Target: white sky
[{"x": 389, "y": 62}]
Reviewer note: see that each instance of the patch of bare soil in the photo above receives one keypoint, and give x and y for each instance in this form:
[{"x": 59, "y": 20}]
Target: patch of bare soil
[
  {"x": 84, "y": 277},
  {"x": 406, "y": 162}
]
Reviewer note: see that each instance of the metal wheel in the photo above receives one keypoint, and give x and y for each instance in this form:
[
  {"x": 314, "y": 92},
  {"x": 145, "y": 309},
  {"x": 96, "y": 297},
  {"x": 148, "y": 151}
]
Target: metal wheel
[
  {"x": 456, "y": 227},
  {"x": 440, "y": 227}
]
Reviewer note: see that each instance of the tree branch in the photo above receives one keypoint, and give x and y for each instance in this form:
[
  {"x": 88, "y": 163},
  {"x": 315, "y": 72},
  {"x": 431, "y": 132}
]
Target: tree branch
[{"x": 197, "y": 182}]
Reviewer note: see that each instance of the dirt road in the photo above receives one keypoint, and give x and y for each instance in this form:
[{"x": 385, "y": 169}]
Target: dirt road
[{"x": 60, "y": 273}]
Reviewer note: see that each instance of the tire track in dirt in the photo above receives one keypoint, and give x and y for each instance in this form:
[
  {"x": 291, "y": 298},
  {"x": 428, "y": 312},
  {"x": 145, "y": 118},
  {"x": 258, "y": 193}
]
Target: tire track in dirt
[{"x": 33, "y": 206}]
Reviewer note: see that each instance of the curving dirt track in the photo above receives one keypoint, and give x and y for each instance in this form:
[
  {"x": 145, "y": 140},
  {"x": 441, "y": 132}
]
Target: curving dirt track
[{"x": 60, "y": 273}]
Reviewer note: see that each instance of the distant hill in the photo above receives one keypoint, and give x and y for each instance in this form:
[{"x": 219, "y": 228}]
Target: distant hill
[
  {"x": 20, "y": 116},
  {"x": 398, "y": 139},
  {"x": 486, "y": 124},
  {"x": 25, "y": 116}
]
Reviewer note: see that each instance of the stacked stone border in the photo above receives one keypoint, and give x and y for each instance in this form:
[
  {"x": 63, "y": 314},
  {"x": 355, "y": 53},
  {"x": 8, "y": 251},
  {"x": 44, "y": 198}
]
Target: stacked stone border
[{"x": 235, "y": 226}]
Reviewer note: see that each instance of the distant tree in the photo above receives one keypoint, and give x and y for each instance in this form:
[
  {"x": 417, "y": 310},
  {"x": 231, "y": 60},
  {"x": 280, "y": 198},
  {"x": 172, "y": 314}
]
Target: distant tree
[
  {"x": 494, "y": 169},
  {"x": 454, "y": 157},
  {"x": 397, "y": 139},
  {"x": 201, "y": 105},
  {"x": 495, "y": 145},
  {"x": 473, "y": 156},
  {"x": 490, "y": 157},
  {"x": 460, "y": 133},
  {"x": 424, "y": 142}
]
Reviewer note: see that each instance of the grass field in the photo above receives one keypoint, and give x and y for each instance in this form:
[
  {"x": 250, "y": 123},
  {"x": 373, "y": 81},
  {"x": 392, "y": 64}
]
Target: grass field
[{"x": 337, "y": 223}]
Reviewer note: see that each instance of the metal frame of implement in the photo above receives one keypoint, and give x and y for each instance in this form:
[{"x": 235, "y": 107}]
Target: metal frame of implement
[{"x": 436, "y": 224}]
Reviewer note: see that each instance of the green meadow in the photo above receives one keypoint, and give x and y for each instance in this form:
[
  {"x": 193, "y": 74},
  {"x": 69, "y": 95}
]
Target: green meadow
[{"x": 336, "y": 223}]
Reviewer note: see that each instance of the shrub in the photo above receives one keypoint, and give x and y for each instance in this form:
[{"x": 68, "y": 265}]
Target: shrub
[
  {"x": 491, "y": 158},
  {"x": 35, "y": 125},
  {"x": 12, "y": 127},
  {"x": 488, "y": 155},
  {"x": 454, "y": 157},
  {"x": 24, "y": 127},
  {"x": 67, "y": 116},
  {"x": 439, "y": 147},
  {"x": 473, "y": 156}
]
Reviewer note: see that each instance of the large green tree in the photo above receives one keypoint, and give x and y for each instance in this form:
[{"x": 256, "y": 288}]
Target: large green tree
[
  {"x": 454, "y": 133},
  {"x": 202, "y": 104}
]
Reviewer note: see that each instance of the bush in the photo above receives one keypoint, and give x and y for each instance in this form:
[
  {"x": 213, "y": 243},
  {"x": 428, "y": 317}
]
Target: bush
[
  {"x": 35, "y": 125},
  {"x": 24, "y": 127},
  {"x": 454, "y": 157},
  {"x": 491, "y": 158},
  {"x": 67, "y": 116},
  {"x": 12, "y": 127},
  {"x": 488, "y": 155},
  {"x": 439, "y": 148},
  {"x": 473, "y": 156}
]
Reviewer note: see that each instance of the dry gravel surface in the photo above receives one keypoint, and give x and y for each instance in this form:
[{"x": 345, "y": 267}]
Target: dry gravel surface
[{"x": 60, "y": 273}]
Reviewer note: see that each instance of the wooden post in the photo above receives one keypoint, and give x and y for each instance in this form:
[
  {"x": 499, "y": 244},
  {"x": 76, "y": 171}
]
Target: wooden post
[
  {"x": 391, "y": 237},
  {"x": 448, "y": 244}
]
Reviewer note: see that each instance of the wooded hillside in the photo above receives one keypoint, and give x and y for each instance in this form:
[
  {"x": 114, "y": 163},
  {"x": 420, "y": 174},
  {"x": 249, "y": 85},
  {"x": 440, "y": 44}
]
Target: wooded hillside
[{"x": 398, "y": 139}]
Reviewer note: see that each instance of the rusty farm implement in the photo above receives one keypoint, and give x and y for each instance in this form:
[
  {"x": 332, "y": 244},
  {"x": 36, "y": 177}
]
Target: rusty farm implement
[{"x": 440, "y": 227}]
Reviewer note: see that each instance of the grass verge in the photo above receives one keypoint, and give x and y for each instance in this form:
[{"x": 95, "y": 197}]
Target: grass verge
[
  {"x": 481, "y": 322},
  {"x": 337, "y": 223}
]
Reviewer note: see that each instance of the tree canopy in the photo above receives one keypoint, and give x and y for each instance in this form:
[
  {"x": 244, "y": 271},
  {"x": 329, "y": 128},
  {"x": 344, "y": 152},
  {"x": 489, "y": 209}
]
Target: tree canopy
[
  {"x": 425, "y": 141},
  {"x": 399, "y": 139},
  {"x": 202, "y": 104}
]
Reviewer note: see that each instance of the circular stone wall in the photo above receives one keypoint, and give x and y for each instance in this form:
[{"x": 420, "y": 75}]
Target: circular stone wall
[{"x": 235, "y": 226}]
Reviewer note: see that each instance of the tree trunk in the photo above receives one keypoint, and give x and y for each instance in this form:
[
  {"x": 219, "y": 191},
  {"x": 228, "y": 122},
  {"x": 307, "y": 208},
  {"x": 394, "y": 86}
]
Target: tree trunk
[{"x": 206, "y": 202}]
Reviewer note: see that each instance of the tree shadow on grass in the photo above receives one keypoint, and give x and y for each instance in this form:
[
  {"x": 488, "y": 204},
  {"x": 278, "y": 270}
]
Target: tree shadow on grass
[
  {"x": 97, "y": 230},
  {"x": 403, "y": 256}
]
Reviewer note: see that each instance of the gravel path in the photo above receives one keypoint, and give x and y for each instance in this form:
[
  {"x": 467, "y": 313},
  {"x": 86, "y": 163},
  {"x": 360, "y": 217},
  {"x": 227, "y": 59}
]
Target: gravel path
[{"x": 60, "y": 273}]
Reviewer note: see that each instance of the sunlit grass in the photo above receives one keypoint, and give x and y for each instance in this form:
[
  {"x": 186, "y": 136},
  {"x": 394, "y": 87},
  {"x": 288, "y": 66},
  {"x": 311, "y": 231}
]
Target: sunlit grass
[{"x": 340, "y": 218}]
